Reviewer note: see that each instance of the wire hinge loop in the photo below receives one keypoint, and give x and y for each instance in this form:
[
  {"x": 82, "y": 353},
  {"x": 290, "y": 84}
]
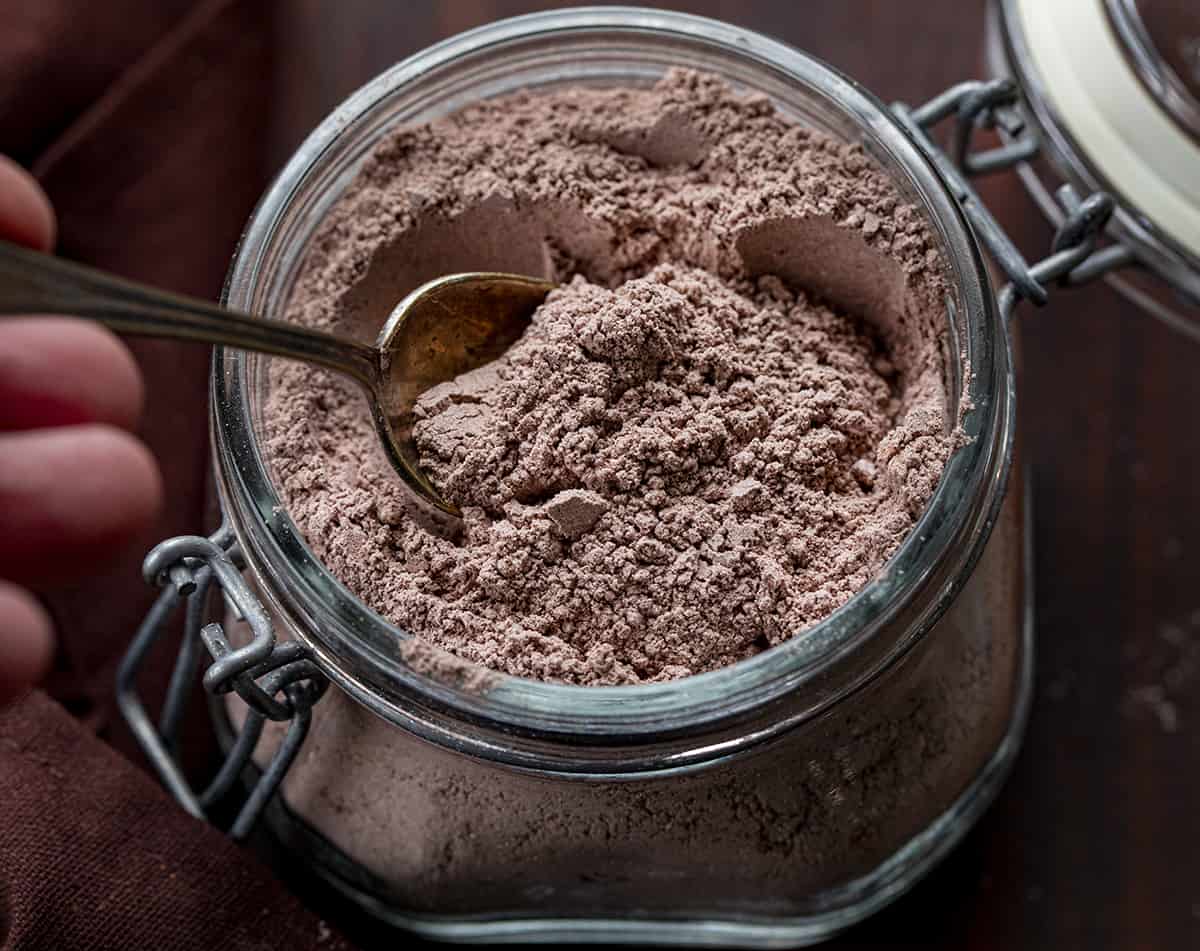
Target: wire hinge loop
[
  {"x": 278, "y": 681},
  {"x": 1076, "y": 255}
]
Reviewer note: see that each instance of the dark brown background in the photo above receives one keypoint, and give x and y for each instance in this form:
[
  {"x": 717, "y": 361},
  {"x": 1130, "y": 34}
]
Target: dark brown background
[{"x": 154, "y": 143}]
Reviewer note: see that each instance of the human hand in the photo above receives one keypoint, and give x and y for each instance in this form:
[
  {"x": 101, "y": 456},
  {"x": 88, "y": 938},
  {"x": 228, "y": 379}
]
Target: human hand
[{"x": 74, "y": 482}]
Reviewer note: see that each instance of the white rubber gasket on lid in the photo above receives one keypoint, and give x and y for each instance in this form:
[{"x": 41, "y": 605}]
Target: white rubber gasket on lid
[{"x": 1113, "y": 118}]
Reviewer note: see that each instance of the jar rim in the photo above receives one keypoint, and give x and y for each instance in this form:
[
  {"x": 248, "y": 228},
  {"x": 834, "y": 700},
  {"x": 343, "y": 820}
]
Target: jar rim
[{"x": 700, "y": 717}]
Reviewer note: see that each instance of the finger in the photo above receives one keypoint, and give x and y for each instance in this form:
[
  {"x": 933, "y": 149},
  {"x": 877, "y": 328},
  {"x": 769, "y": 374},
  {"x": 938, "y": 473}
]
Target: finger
[
  {"x": 59, "y": 371},
  {"x": 68, "y": 496},
  {"x": 26, "y": 215},
  {"x": 26, "y": 641}
]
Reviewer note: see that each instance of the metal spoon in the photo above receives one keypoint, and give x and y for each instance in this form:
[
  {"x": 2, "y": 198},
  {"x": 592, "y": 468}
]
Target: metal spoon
[{"x": 443, "y": 328}]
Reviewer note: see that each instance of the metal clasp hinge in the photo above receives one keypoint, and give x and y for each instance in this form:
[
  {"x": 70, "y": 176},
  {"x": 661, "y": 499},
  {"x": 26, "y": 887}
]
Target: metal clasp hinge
[
  {"x": 1076, "y": 254},
  {"x": 277, "y": 681}
]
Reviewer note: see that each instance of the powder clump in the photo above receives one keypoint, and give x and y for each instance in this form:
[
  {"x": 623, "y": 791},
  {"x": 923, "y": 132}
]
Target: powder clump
[{"x": 712, "y": 434}]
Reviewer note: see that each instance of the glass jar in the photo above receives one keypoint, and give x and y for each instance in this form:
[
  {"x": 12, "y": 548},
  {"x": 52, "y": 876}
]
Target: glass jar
[{"x": 774, "y": 801}]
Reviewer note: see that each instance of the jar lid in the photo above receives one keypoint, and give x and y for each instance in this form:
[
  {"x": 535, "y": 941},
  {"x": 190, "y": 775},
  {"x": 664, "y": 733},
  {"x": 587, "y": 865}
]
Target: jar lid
[
  {"x": 1119, "y": 121},
  {"x": 1114, "y": 86}
]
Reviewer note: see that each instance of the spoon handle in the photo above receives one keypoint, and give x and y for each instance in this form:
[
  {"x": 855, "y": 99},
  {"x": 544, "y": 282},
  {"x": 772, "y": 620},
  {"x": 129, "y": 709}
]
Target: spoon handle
[{"x": 32, "y": 282}]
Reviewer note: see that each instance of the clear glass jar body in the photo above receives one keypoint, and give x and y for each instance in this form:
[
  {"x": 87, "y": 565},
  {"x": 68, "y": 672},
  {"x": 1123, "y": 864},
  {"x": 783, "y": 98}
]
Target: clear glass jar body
[{"x": 777, "y": 800}]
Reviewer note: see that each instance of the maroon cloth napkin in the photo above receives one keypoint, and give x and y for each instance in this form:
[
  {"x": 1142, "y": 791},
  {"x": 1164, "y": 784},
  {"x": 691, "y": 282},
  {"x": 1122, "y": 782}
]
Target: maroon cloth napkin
[
  {"x": 94, "y": 855},
  {"x": 142, "y": 119}
]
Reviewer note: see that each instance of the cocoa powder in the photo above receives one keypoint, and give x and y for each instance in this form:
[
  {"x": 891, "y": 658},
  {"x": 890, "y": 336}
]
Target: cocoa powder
[{"x": 715, "y": 432}]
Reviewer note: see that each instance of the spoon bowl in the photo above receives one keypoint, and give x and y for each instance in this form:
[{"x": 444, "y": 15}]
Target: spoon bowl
[{"x": 441, "y": 330}]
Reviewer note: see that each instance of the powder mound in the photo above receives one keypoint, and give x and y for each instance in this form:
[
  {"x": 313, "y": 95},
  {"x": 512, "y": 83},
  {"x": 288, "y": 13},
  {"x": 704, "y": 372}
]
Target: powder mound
[
  {"x": 713, "y": 433},
  {"x": 634, "y": 329},
  {"x": 671, "y": 521}
]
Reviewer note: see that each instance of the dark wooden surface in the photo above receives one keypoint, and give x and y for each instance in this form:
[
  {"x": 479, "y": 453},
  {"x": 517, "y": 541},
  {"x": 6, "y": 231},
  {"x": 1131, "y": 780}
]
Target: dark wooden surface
[{"x": 1094, "y": 843}]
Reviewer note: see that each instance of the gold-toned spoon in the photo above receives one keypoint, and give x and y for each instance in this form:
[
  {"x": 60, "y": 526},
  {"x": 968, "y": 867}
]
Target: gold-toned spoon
[{"x": 443, "y": 328}]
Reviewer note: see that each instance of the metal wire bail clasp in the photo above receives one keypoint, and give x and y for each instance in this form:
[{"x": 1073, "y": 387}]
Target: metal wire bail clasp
[
  {"x": 1076, "y": 256},
  {"x": 277, "y": 681}
]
